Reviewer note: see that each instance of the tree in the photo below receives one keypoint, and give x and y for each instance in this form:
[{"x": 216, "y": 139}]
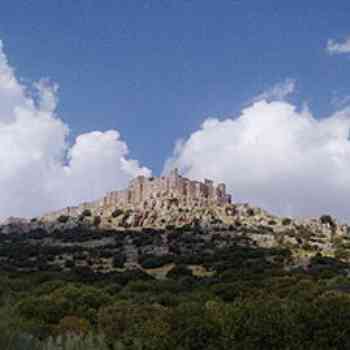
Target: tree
[
  {"x": 72, "y": 325},
  {"x": 143, "y": 324}
]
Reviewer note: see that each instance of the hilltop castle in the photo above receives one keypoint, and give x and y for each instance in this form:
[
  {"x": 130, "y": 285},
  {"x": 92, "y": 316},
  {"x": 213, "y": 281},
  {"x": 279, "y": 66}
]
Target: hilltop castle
[
  {"x": 145, "y": 192},
  {"x": 158, "y": 192}
]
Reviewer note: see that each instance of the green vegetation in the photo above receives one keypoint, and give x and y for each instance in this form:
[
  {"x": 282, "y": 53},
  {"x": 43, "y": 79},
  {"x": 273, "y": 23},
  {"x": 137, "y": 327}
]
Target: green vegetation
[
  {"x": 86, "y": 212},
  {"x": 117, "y": 212},
  {"x": 78, "y": 294},
  {"x": 97, "y": 220},
  {"x": 63, "y": 219},
  {"x": 286, "y": 221},
  {"x": 327, "y": 219}
]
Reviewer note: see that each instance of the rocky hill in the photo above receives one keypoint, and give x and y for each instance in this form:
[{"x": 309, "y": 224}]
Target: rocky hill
[
  {"x": 158, "y": 224},
  {"x": 154, "y": 240}
]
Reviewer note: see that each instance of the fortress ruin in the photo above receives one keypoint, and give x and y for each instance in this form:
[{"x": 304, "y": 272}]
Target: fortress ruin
[
  {"x": 144, "y": 192},
  {"x": 158, "y": 192}
]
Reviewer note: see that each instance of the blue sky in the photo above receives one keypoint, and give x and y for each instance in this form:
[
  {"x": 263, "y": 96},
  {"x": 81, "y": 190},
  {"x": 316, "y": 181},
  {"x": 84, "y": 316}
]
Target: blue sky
[
  {"x": 258, "y": 92},
  {"x": 155, "y": 70}
]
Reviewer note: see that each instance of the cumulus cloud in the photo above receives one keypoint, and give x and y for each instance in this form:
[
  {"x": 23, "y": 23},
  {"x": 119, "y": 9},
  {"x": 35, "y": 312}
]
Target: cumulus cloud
[
  {"x": 275, "y": 156},
  {"x": 277, "y": 92},
  {"x": 333, "y": 47},
  {"x": 340, "y": 101},
  {"x": 39, "y": 170}
]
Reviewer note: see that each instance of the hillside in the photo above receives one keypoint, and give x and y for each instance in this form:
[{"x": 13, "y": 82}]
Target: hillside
[
  {"x": 154, "y": 238},
  {"x": 181, "y": 273}
]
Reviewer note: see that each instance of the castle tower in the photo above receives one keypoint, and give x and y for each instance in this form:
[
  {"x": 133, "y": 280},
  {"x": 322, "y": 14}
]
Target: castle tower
[
  {"x": 138, "y": 189},
  {"x": 209, "y": 189},
  {"x": 221, "y": 193},
  {"x": 173, "y": 180}
]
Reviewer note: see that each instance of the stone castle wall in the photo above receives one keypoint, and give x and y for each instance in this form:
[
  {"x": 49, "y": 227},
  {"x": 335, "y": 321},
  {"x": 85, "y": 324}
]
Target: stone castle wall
[{"x": 156, "y": 192}]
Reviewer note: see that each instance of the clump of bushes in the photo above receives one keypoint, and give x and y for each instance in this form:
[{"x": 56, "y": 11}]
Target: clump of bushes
[
  {"x": 63, "y": 219},
  {"x": 117, "y": 212},
  {"x": 119, "y": 261},
  {"x": 327, "y": 219},
  {"x": 286, "y": 221},
  {"x": 86, "y": 213},
  {"x": 250, "y": 212},
  {"x": 342, "y": 253},
  {"x": 179, "y": 271},
  {"x": 97, "y": 220}
]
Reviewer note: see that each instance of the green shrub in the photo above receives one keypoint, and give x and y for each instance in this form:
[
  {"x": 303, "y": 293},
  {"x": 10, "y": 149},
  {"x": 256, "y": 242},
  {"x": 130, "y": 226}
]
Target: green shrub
[
  {"x": 286, "y": 221},
  {"x": 179, "y": 271},
  {"x": 327, "y": 219},
  {"x": 194, "y": 329},
  {"x": 119, "y": 261},
  {"x": 97, "y": 220},
  {"x": 75, "y": 342},
  {"x": 86, "y": 212},
  {"x": 63, "y": 219},
  {"x": 131, "y": 324},
  {"x": 117, "y": 212},
  {"x": 342, "y": 254},
  {"x": 250, "y": 212}
]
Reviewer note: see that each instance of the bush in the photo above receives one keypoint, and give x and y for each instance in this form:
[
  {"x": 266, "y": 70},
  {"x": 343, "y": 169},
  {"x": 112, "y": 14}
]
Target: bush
[
  {"x": 97, "y": 220},
  {"x": 147, "y": 325},
  {"x": 342, "y": 254},
  {"x": 119, "y": 261},
  {"x": 195, "y": 329},
  {"x": 63, "y": 219},
  {"x": 117, "y": 212},
  {"x": 72, "y": 342},
  {"x": 73, "y": 325},
  {"x": 327, "y": 219},
  {"x": 250, "y": 212},
  {"x": 226, "y": 291},
  {"x": 179, "y": 271},
  {"x": 69, "y": 264},
  {"x": 123, "y": 278},
  {"x": 286, "y": 221},
  {"x": 86, "y": 212}
]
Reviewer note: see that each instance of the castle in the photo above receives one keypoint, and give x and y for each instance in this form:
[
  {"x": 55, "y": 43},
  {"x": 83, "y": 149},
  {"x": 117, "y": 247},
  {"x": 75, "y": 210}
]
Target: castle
[
  {"x": 158, "y": 192},
  {"x": 149, "y": 192}
]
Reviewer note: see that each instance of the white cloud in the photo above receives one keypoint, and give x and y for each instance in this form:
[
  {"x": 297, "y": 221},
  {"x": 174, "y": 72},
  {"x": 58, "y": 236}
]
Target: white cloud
[
  {"x": 276, "y": 157},
  {"x": 340, "y": 101},
  {"x": 271, "y": 155},
  {"x": 36, "y": 175},
  {"x": 277, "y": 92},
  {"x": 334, "y": 47}
]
